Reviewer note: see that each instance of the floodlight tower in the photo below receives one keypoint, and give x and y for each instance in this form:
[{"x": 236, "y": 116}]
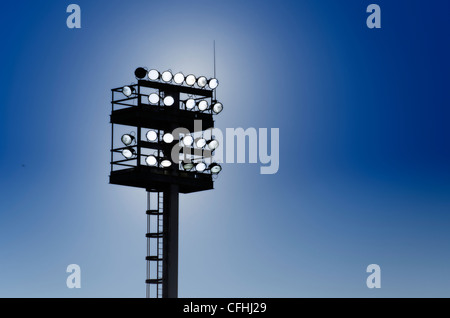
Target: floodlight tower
[{"x": 164, "y": 150}]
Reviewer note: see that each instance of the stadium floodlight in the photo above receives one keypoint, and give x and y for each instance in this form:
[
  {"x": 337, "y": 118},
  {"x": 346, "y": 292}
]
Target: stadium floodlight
[
  {"x": 213, "y": 83},
  {"x": 165, "y": 163},
  {"x": 166, "y": 76},
  {"x": 200, "y": 142},
  {"x": 153, "y": 98},
  {"x": 215, "y": 168},
  {"x": 190, "y": 80},
  {"x": 217, "y": 108},
  {"x": 213, "y": 144},
  {"x": 152, "y": 135},
  {"x": 127, "y": 139},
  {"x": 190, "y": 103},
  {"x": 187, "y": 140},
  {"x": 128, "y": 152},
  {"x": 168, "y": 100},
  {"x": 201, "y": 82},
  {"x": 202, "y": 105},
  {"x": 178, "y": 78},
  {"x": 168, "y": 138},
  {"x": 128, "y": 90},
  {"x": 200, "y": 167},
  {"x": 187, "y": 165},
  {"x": 153, "y": 75},
  {"x": 151, "y": 160},
  {"x": 140, "y": 73}
]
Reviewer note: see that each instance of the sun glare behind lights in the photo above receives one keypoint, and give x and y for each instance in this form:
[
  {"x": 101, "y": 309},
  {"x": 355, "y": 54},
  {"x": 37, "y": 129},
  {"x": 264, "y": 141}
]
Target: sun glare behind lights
[
  {"x": 201, "y": 82},
  {"x": 190, "y": 80},
  {"x": 153, "y": 98},
  {"x": 168, "y": 100},
  {"x": 168, "y": 138},
  {"x": 166, "y": 76},
  {"x": 127, "y": 91},
  {"x": 178, "y": 78},
  {"x": 151, "y": 160},
  {"x": 187, "y": 140},
  {"x": 152, "y": 135},
  {"x": 203, "y": 105},
  {"x": 217, "y": 108},
  {"x": 213, "y": 83},
  {"x": 153, "y": 75},
  {"x": 200, "y": 167},
  {"x": 166, "y": 163},
  {"x": 127, "y": 139}
]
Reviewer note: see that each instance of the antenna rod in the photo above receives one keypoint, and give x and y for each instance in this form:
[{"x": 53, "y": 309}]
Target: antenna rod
[{"x": 214, "y": 46}]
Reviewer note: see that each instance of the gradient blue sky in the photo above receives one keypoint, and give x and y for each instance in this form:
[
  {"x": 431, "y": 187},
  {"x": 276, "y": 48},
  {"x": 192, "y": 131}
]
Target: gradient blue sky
[{"x": 364, "y": 148}]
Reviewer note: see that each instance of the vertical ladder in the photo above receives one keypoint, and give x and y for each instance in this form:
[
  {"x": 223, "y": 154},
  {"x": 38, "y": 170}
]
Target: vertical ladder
[{"x": 155, "y": 243}]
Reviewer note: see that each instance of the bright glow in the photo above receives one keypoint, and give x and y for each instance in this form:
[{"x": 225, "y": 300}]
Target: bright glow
[
  {"x": 166, "y": 163},
  {"x": 127, "y": 139},
  {"x": 166, "y": 76},
  {"x": 215, "y": 168},
  {"x": 168, "y": 138},
  {"x": 128, "y": 153},
  {"x": 140, "y": 72},
  {"x": 213, "y": 83},
  {"x": 168, "y": 101},
  {"x": 200, "y": 167},
  {"x": 190, "y": 80},
  {"x": 188, "y": 165},
  {"x": 127, "y": 91},
  {"x": 190, "y": 103},
  {"x": 151, "y": 161},
  {"x": 153, "y": 75},
  {"x": 178, "y": 78},
  {"x": 201, "y": 82},
  {"x": 187, "y": 140},
  {"x": 203, "y": 105},
  {"x": 153, "y": 98},
  {"x": 213, "y": 144},
  {"x": 217, "y": 108},
  {"x": 152, "y": 135},
  {"x": 200, "y": 143}
]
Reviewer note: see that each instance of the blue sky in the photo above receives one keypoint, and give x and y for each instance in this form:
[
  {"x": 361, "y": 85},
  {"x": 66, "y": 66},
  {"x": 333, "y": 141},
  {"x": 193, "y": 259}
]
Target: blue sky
[{"x": 364, "y": 148}]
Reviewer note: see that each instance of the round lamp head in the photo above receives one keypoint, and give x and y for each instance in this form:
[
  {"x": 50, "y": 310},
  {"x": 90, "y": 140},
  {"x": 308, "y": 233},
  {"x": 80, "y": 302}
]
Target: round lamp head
[
  {"x": 168, "y": 101},
  {"x": 213, "y": 144},
  {"x": 190, "y": 103},
  {"x": 200, "y": 143},
  {"x": 127, "y": 91},
  {"x": 166, "y": 76},
  {"x": 201, "y": 82},
  {"x": 128, "y": 153},
  {"x": 153, "y": 98},
  {"x": 188, "y": 166},
  {"x": 151, "y": 161},
  {"x": 178, "y": 78},
  {"x": 152, "y": 135},
  {"x": 187, "y": 140},
  {"x": 168, "y": 138},
  {"x": 202, "y": 105},
  {"x": 153, "y": 75},
  {"x": 165, "y": 163},
  {"x": 140, "y": 72},
  {"x": 127, "y": 139},
  {"x": 217, "y": 108},
  {"x": 213, "y": 83},
  {"x": 215, "y": 168},
  {"x": 190, "y": 80},
  {"x": 200, "y": 167}
]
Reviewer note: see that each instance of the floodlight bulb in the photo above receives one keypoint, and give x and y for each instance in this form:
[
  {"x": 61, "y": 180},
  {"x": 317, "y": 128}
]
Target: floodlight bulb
[
  {"x": 188, "y": 165},
  {"x": 153, "y": 98},
  {"x": 213, "y": 83},
  {"x": 190, "y": 103},
  {"x": 151, "y": 160},
  {"x": 213, "y": 144},
  {"x": 200, "y": 167},
  {"x": 203, "y": 105},
  {"x": 128, "y": 153},
  {"x": 166, "y": 163},
  {"x": 187, "y": 140},
  {"x": 153, "y": 75},
  {"x": 140, "y": 72},
  {"x": 127, "y": 139},
  {"x": 190, "y": 80},
  {"x": 127, "y": 91},
  {"x": 166, "y": 76},
  {"x": 152, "y": 135},
  {"x": 217, "y": 108},
  {"x": 201, "y": 82},
  {"x": 200, "y": 143},
  {"x": 168, "y": 138},
  {"x": 215, "y": 168},
  {"x": 168, "y": 101},
  {"x": 178, "y": 78}
]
